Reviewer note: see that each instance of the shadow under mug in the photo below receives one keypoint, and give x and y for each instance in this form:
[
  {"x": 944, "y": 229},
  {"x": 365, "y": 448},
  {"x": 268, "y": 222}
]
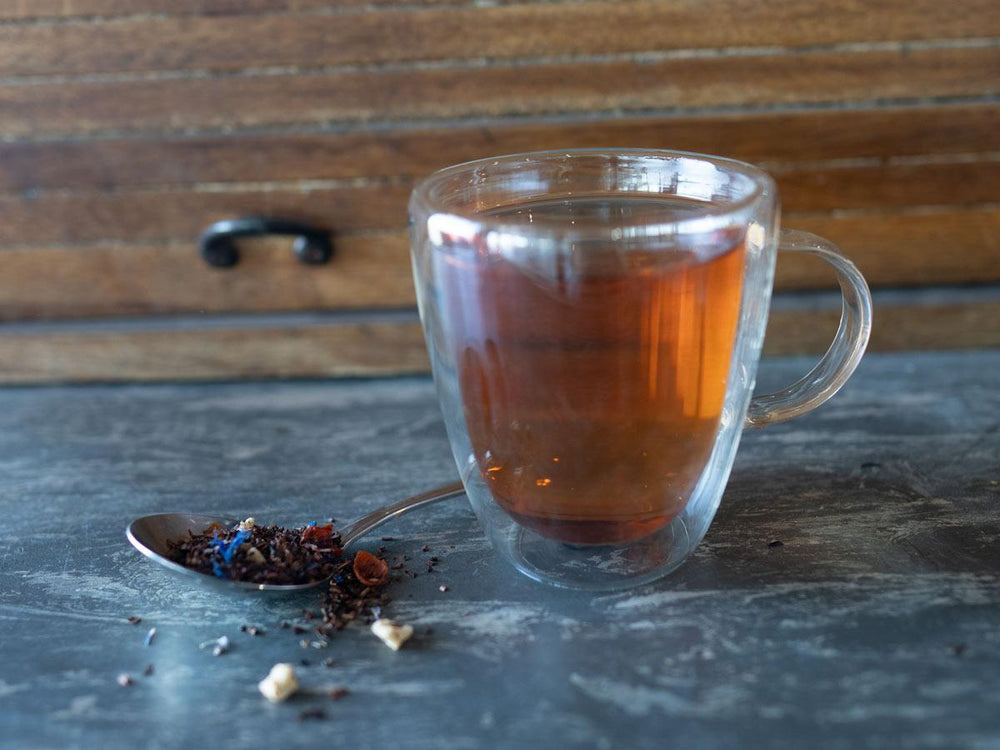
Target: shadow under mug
[{"x": 594, "y": 320}]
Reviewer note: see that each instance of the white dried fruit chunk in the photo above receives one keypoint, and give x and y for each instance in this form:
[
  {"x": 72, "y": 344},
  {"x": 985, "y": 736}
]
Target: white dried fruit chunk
[
  {"x": 279, "y": 683},
  {"x": 256, "y": 556},
  {"x": 246, "y": 525},
  {"x": 393, "y": 634}
]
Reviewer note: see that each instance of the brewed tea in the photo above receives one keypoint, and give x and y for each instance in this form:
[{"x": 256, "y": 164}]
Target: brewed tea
[{"x": 592, "y": 381}]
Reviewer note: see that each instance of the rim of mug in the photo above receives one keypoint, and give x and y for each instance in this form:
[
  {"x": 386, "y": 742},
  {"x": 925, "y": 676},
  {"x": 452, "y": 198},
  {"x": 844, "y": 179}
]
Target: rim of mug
[{"x": 424, "y": 199}]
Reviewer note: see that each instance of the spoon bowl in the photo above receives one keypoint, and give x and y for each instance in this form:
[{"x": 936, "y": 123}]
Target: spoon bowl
[{"x": 151, "y": 534}]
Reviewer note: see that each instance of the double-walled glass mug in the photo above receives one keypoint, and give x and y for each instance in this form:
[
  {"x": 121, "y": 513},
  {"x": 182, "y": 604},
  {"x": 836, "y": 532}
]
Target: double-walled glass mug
[{"x": 594, "y": 320}]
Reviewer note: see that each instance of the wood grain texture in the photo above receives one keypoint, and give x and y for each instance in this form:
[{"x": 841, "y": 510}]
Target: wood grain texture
[
  {"x": 393, "y": 348},
  {"x": 768, "y": 137},
  {"x": 896, "y": 328},
  {"x": 96, "y": 10},
  {"x": 373, "y": 270},
  {"x": 180, "y": 214},
  {"x": 213, "y": 354},
  {"x": 367, "y": 271},
  {"x": 501, "y": 32},
  {"x": 944, "y": 245},
  {"x": 127, "y": 127},
  {"x": 230, "y": 103},
  {"x": 183, "y": 214}
]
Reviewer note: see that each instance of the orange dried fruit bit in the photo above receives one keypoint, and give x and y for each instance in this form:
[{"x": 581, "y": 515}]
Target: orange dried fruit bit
[
  {"x": 370, "y": 570},
  {"x": 318, "y": 534}
]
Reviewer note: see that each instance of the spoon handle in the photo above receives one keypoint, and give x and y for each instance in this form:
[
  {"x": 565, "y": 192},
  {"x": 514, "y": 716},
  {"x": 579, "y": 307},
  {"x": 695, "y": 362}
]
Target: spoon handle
[{"x": 380, "y": 516}]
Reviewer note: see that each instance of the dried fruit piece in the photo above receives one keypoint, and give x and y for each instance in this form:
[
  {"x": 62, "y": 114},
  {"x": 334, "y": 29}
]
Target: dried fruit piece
[
  {"x": 370, "y": 570},
  {"x": 393, "y": 634},
  {"x": 279, "y": 684},
  {"x": 247, "y": 525},
  {"x": 318, "y": 535}
]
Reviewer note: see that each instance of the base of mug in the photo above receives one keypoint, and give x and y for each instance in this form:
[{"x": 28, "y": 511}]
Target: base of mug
[{"x": 598, "y": 568}]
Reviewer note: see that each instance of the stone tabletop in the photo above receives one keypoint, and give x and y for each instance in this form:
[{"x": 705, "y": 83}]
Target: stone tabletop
[{"x": 874, "y": 623}]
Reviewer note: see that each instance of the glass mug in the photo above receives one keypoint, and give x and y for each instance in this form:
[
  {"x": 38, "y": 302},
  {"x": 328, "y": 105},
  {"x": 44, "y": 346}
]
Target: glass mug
[{"x": 594, "y": 320}]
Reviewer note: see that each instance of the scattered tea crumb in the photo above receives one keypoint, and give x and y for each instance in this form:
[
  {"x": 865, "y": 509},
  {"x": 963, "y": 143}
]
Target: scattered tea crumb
[
  {"x": 220, "y": 645},
  {"x": 328, "y": 663},
  {"x": 871, "y": 465},
  {"x": 133, "y": 620},
  {"x": 957, "y": 648},
  {"x": 311, "y": 713},
  {"x": 150, "y": 636},
  {"x": 388, "y": 538},
  {"x": 148, "y": 671},
  {"x": 279, "y": 684},
  {"x": 284, "y": 625},
  {"x": 339, "y": 692},
  {"x": 299, "y": 630},
  {"x": 425, "y": 548},
  {"x": 393, "y": 634},
  {"x": 305, "y": 662},
  {"x": 125, "y": 680},
  {"x": 348, "y": 599},
  {"x": 252, "y": 630},
  {"x": 776, "y": 543}
]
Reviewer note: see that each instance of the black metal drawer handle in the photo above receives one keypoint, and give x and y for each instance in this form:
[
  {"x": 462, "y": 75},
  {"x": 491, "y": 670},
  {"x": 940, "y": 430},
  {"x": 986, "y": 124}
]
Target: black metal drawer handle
[{"x": 312, "y": 246}]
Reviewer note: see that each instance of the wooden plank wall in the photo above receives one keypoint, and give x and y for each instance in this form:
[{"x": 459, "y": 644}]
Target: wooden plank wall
[{"x": 127, "y": 126}]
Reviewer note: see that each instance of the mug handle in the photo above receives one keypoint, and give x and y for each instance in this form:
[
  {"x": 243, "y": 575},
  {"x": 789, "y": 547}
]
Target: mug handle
[{"x": 844, "y": 354}]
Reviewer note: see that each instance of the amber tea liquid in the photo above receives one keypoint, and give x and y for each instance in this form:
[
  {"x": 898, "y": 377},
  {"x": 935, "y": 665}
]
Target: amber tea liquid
[{"x": 592, "y": 383}]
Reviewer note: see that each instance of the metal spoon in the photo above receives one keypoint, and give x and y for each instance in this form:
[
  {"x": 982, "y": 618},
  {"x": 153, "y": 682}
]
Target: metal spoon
[{"x": 150, "y": 534}]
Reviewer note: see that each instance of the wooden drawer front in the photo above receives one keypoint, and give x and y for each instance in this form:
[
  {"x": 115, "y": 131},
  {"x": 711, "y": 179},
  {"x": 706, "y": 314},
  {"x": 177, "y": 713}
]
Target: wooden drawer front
[{"x": 128, "y": 127}]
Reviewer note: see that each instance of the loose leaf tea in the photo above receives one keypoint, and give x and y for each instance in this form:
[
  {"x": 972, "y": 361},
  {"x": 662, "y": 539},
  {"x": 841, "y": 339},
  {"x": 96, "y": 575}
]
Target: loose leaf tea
[
  {"x": 261, "y": 554},
  {"x": 350, "y": 598}
]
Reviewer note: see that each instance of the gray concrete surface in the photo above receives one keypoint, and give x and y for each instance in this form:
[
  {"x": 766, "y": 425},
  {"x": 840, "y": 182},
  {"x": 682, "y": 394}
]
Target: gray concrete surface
[{"x": 876, "y": 623}]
